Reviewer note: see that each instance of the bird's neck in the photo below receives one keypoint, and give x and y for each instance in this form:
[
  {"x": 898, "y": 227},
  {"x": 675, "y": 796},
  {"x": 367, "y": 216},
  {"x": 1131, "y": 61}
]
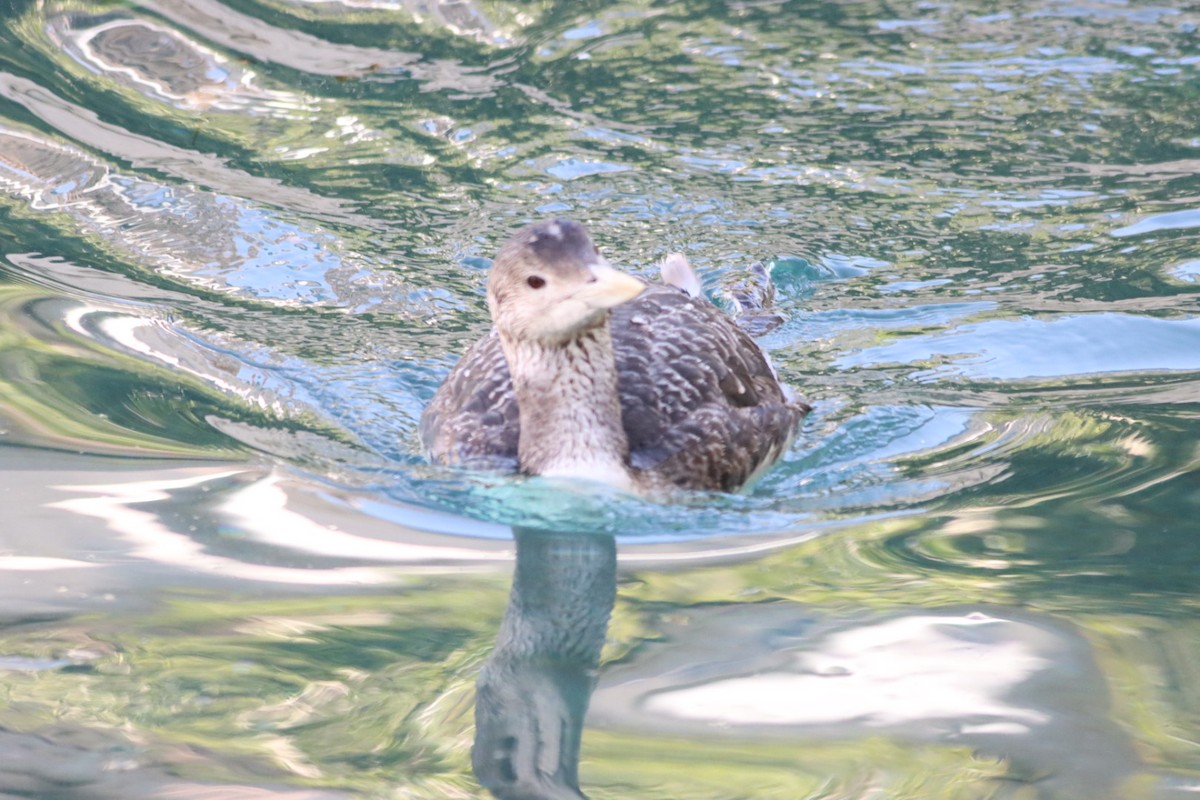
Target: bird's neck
[{"x": 569, "y": 408}]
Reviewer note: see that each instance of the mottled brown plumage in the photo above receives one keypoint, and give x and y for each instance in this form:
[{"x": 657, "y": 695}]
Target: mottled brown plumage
[{"x": 661, "y": 391}]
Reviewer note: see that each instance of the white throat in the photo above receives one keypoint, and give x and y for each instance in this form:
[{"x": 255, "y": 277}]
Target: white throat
[
  {"x": 600, "y": 471},
  {"x": 569, "y": 408}
]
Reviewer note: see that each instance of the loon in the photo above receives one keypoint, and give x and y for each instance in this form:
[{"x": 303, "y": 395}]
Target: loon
[{"x": 590, "y": 373}]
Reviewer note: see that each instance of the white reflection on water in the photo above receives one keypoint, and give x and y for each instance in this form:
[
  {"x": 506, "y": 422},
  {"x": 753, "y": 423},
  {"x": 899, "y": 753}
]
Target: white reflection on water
[
  {"x": 163, "y": 64},
  {"x": 460, "y": 17},
  {"x": 254, "y": 511},
  {"x": 241, "y": 33},
  {"x": 39, "y": 564},
  {"x": 116, "y": 504},
  {"x": 83, "y": 125},
  {"x": 1173, "y": 220},
  {"x": 214, "y": 241},
  {"x": 1037, "y": 348},
  {"x": 1014, "y": 685},
  {"x": 260, "y": 512},
  {"x": 899, "y": 671},
  {"x": 1188, "y": 271}
]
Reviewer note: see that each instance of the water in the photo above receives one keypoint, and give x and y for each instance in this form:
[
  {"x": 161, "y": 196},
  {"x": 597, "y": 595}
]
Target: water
[{"x": 242, "y": 242}]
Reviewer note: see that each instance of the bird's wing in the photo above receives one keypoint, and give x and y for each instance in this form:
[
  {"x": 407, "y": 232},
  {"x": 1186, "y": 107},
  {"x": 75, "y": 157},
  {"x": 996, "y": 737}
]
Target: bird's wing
[
  {"x": 700, "y": 403},
  {"x": 473, "y": 419}
]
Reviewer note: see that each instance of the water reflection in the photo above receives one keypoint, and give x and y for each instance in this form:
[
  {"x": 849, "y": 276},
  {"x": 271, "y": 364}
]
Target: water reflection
[
  {"x": 1098, "y": 343},
  {"x": 1019, "y": 687},
  {"x": 1016, "y": 687},
  {"x": 243, "y": 242},
  {"x": 164, "y": 65},
  {"x": 460, "y": 17},
  {"x": 188, "y": 522},
  {"x": 1011, "y": 685},
  {"x": 212, "y": 242},
  {"x": 533, "y": 691},
  {"x": 306, "y": 53},
  {"x": 70, "y": 764}
]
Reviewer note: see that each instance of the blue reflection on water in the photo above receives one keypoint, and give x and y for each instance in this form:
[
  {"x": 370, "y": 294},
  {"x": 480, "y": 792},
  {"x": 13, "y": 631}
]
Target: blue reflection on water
[{"x": 1075, "y": 345}]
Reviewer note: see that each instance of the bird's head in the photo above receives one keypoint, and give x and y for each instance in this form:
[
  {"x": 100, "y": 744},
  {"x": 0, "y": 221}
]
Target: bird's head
[{"x": 549, "y": 284}]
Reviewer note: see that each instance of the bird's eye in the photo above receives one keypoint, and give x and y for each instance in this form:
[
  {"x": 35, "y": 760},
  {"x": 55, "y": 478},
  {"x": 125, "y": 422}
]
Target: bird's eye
[{"x": 535, "y": 281}]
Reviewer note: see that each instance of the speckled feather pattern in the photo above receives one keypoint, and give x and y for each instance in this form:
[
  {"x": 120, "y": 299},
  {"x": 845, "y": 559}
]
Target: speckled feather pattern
[{"x": 700, "y": 405}]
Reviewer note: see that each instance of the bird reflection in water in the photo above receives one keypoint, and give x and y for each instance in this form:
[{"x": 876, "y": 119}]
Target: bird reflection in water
[
  {"x": 534, "y": 689},
  {"x": 1009, "y": 684}
]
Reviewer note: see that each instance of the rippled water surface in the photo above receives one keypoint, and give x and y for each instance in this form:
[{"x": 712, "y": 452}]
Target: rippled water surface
[{"x": 242, "y": 242}]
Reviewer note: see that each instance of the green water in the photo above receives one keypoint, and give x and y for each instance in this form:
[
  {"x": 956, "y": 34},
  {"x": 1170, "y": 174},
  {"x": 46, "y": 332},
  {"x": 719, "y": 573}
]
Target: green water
[{"x": 242, "y": 242}]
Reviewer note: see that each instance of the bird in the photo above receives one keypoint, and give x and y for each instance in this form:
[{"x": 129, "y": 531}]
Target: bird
[{"x": 590, "y": 373}]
